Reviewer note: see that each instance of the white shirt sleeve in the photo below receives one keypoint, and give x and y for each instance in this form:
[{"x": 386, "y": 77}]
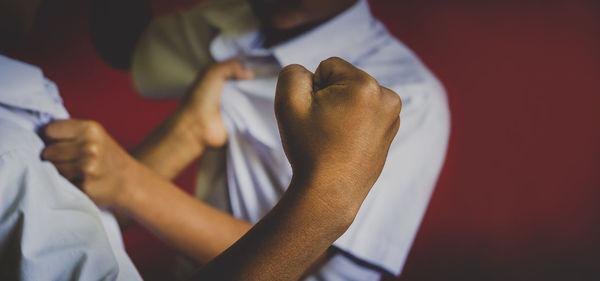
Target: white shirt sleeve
[
  {"x": 49, "y": 230},
  {"x": 386, "y": 225}
]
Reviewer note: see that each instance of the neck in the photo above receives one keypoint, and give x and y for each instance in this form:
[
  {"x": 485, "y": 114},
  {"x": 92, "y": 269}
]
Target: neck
[{"x": 274, "y": 36}]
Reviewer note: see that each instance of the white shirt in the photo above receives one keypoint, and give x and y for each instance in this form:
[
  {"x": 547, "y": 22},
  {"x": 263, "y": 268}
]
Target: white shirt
[
  {"x": 253, "y": 168},
  {"x": 49, "y": 229}
]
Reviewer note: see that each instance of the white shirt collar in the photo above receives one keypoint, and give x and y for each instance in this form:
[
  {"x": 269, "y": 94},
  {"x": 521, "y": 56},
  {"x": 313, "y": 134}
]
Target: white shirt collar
[
  {"x": 23, "y": 86},
  {"x": 351, "y": 28}
]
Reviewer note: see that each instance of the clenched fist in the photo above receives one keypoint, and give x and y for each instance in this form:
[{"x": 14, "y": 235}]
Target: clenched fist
[
  {"x": 85, "y": 154},
  {"x": 336, "y": 126}
]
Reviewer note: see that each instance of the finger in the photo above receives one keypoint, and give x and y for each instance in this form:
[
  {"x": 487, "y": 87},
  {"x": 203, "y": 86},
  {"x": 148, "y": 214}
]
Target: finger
[
  {"x": 62, "y": 151},
  {"x": 70, "y": 170},
  {"x": 393, "y": 105},
  {"x": 335, "y": 70},
  {"x": 231, "y": 69},
  {"x": 294, "y": 91},
  {"x": 63, "y": 130},
  {"x": 391, "y": 100},
  {"x": 391, "y": 133}
]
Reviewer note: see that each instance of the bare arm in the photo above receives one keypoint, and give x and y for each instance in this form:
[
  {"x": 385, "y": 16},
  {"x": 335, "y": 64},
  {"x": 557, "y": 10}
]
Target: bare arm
[
  {"x": 285, "y": 243},
  {"x": 336, "y": 127},
  {"x": 190, "y": 226},
  {"x": 84, "y": 153},
  {"x": 172, "y": 146},
  {"x": 194, "y": 126}
]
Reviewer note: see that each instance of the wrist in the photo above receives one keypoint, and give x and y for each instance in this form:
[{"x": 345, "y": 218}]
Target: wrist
[
  {"x": 172, "y": 146},
  {"x": 186, "y": 127},
  {"x": 329, "y": 201},
  {"x": 132, "y": 183}
]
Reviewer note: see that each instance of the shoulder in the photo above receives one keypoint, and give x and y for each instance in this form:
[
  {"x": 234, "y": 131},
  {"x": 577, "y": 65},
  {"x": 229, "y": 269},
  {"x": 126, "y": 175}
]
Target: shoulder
[
  {"x": 397, "y": 67},
  {"x": 18, "y": 139},
  {"x": 35, "y": 200},
  {"x": 391, "y": 62},
  {"x": 20, "y": 162},
  {"x": 28, "y": 178}
]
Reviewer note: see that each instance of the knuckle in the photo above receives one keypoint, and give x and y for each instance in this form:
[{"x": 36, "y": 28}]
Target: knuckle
[
  {"x": 92, "y": 128},
  {"x": 366, "y": 87},
  {"x": 91, "y": 149},
  {"x": 332, "y": 61},
  {"x": 89, "y": 168},
  {"x": 396, "y": 104},
  {"x": 291, "y": 77},
  {"x": 291, "y": 68},
  {"x": 391, "y": 101}
]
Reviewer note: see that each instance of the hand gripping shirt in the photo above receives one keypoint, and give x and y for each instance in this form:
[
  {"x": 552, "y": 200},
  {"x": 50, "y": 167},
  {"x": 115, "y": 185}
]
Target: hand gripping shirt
[
  {"x": 252, "y": 172},
  {"x": 49, "y": 229}
]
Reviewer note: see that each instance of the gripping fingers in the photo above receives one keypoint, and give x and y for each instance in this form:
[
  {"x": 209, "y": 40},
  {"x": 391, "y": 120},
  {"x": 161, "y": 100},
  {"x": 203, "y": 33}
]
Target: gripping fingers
[
  {"x": 70, "y": 170},
  {"x": 69, "y": 129},
  {"x": 62, "y": 151},
  {"x": 230, "y": 69}
]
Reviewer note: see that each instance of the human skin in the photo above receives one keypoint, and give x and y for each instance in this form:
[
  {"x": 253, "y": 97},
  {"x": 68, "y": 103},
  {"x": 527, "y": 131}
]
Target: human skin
[
  {"x": 194, "y": 126},
  {"x": 336, "y": 137},
  {"x": 85, "y": 154},
  {"x": 282, "y": 20},
  {"x": 317, "y": 208}
]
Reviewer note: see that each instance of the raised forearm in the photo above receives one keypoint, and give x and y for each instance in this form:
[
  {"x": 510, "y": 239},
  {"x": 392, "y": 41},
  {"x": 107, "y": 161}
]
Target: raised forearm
[
  {"x": 190, "y": 226},
  {"x": 286, "y": 242},
  {"x": 336, "y": 139}
]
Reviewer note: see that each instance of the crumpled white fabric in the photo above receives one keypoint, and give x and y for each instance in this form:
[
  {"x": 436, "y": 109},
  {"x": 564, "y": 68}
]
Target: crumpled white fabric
[{"x": 49, "y": 229}]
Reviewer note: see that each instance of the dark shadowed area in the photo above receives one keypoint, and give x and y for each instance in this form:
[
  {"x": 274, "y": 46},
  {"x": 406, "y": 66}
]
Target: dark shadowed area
[{"x": 519, "y": 197}]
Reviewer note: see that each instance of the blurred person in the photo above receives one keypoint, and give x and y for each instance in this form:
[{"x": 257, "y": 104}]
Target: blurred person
[
  {"x": 49, "y": 230},
  {"x": 244, "y": 170}
]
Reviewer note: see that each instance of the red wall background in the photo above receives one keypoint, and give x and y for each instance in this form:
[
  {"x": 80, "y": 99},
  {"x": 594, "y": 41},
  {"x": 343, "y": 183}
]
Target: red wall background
[{"x": 519, "y": 197}]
